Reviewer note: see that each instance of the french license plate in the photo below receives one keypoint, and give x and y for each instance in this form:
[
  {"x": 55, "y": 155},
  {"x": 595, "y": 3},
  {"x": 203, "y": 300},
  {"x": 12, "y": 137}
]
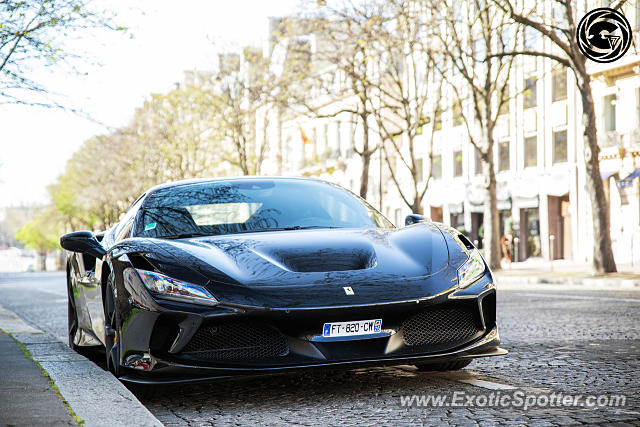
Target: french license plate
[{"x": 353, "y": 328}]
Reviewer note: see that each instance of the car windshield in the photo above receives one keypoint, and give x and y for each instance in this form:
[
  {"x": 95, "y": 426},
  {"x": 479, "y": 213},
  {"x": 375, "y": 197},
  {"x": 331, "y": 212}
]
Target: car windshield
[{"x": 244, "y": 206}]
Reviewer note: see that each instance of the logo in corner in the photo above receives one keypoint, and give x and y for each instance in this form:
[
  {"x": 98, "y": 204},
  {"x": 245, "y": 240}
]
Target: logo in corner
[
  {"x": 348, "y": 290},
  {"x": 604, "y": 35}
]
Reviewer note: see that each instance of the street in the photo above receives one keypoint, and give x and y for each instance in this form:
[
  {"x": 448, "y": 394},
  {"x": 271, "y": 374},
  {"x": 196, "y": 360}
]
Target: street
[{"x": 560, "y": 339}]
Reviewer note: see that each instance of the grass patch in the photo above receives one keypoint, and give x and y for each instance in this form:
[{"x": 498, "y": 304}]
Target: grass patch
[{"x": 27, "y": 353}]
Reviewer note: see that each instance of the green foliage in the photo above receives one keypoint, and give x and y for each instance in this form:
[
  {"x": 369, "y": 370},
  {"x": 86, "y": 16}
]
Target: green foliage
[
  {"x": 199, "y": 129},
  {"x": 42, "y": 232}
]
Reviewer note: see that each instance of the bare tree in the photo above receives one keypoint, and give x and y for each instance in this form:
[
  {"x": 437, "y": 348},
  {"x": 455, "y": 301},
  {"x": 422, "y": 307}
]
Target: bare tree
[
  {"x": 559, "y": 29},
  {"x": 471, "y": 34},
  {"x": 345, "y": 48},
  {"x": 408, "y": 98},
  {"x": 32, "y": 35},
  {"x": 242, "y": 87}
]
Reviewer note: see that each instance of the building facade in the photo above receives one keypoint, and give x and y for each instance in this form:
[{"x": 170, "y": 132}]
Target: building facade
[{"x": 538, "y": 151}]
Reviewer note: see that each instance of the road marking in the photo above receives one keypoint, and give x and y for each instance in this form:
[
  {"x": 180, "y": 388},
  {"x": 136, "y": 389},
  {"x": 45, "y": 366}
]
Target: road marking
[
  {"x": 487, "y": 384},
  {"x": 577, "y": 297}
]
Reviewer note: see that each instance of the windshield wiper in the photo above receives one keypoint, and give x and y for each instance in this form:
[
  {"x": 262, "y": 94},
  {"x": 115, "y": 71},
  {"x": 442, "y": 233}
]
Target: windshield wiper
[{"x": 184, "y": 235}]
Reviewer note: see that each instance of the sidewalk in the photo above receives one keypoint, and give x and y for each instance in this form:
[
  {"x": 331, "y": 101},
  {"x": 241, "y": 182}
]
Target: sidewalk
[
  {"x": 565, "y": 272},
  {"x": 94, "y": 395},
  {"x": 27, "y": 397}
]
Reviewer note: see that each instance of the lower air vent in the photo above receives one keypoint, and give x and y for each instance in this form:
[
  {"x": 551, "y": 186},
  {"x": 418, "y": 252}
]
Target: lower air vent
[
  {"x": 444, "y": 327},
  {"x": 236, "y": 341}
]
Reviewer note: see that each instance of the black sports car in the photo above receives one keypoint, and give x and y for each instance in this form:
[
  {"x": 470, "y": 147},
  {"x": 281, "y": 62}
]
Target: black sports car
[{"x": 218, "y": 277}]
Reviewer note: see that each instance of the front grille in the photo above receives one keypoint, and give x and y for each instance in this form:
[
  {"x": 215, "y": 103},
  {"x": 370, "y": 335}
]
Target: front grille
[
  {"x": 236, "y": 341},
  {"x": 443, "y": 327}
]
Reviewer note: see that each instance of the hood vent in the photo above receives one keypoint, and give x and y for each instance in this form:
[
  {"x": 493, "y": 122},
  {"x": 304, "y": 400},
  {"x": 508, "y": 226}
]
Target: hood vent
[{"x": 329, "y": 259}]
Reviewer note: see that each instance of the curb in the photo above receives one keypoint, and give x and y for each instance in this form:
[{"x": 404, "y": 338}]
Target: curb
[
  {"x": 599, "y": 282},
  {"x": 95, "y": 395}
]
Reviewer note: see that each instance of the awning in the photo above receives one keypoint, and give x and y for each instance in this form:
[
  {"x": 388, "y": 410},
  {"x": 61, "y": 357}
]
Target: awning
[
  {"x": 530, "y": 202},
  {"x": 502, "y": 205},
  {"x": 628, "y": 180},
  {"x": 456, "y": 208},
  {"x": 632, "y": 175}
]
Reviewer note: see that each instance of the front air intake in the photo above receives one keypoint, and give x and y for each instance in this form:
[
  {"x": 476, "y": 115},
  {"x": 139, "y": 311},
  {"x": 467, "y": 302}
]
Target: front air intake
[
  {"x": 442, "y": 328},
  {"x": 236, "y": 341}
]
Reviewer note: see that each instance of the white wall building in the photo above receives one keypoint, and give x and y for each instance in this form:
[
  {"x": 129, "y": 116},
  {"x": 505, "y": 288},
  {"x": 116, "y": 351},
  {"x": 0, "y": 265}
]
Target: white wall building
[{"x": 538, "y": 154}]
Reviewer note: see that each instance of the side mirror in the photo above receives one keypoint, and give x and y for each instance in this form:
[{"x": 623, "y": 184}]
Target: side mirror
[
  {"x": 83, "y": 242},
  {"x": 414, "y": 219}
]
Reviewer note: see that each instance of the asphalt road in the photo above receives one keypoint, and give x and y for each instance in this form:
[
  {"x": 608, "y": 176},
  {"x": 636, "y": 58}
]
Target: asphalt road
[{"x": 567, "y": 341}]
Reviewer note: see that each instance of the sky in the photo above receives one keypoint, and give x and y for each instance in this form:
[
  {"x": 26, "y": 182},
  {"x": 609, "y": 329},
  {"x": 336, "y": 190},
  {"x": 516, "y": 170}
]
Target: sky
[{"x": 163, "y": 41}]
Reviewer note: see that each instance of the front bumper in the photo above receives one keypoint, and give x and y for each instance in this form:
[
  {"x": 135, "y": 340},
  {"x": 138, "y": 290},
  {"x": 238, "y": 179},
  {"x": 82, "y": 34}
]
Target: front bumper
[{"x": 175, "y": 342}]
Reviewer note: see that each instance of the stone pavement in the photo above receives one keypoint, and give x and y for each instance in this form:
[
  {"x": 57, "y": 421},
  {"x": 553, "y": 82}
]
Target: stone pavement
[{"x": 27, "y": 397}]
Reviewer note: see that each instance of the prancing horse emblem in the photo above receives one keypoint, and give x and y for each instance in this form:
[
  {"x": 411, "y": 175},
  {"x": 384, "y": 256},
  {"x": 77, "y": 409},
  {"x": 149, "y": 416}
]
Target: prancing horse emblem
[{"x": 348, "y": 290}]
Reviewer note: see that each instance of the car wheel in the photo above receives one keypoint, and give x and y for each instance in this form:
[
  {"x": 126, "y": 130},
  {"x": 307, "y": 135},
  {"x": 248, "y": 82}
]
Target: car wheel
[
  {"x": 446, "y": 366},
  {"x": 72, "y": 316},
  {"x": 112, "y": 345}
]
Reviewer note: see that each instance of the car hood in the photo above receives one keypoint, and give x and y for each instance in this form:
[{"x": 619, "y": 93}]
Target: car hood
[{"x": 272, "y": 268}]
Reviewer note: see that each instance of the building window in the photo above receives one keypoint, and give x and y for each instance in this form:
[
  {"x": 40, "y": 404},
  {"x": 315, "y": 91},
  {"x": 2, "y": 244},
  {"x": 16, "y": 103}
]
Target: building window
[
  {"x": 478, "y": 161},
  {"x": 531, "y": 151},
  {"x": 419, "y": 170},
  {"x": 609, "y": 111},
  {"x": 530, "y": 92},
  {"x": 560, "y": 146},
  {"x": 503, "y": 156},
  {"x": 530, "y": 38},
  {"x": 436, "y": 168},
  {"x": 637, "y": 15},
  {"x": 479, "y": 50},
  {"x": 560, "y": 84},
  {"x": 457, "y": 163},
  {"x": 398, "y": 215}
]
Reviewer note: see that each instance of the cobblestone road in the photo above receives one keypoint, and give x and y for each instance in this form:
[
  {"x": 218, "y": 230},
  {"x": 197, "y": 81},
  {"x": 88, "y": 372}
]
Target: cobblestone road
[{"x": 577, "y": 342}]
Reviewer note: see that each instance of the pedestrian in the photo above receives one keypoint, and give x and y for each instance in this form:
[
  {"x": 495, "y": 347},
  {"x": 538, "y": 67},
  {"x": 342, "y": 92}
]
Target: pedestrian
[{"x": 507, "y": 242}]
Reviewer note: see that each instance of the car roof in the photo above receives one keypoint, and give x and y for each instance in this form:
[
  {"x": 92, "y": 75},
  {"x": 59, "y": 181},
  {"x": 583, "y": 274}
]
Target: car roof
[{"x": 193, "y": 181}]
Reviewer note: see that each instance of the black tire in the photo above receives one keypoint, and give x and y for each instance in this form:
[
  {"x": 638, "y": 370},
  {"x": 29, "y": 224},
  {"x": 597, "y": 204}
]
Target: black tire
[
  {"x": 112, "y": 344},
  {"x": 72, "y": 314},
  {"x": 446, "y": 366}
]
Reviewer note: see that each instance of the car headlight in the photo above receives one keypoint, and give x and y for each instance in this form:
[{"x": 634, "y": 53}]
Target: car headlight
[
  {"x": 178, "y": 290},
  {"x": 471, "y": 270}
]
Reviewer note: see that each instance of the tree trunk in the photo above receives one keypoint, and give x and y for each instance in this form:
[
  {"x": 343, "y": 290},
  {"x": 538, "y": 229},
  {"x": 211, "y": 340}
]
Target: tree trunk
[
  {"x": 417, "y": 206},
  {"x": 366, "y": 160},
  {"x": 491, "y": 220},
  {"x": 603, "y": 261},
  {"x": 364, "y": 178},
  {"x": 42, "y": 258},
  {"x": 279, "y": 158}
]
